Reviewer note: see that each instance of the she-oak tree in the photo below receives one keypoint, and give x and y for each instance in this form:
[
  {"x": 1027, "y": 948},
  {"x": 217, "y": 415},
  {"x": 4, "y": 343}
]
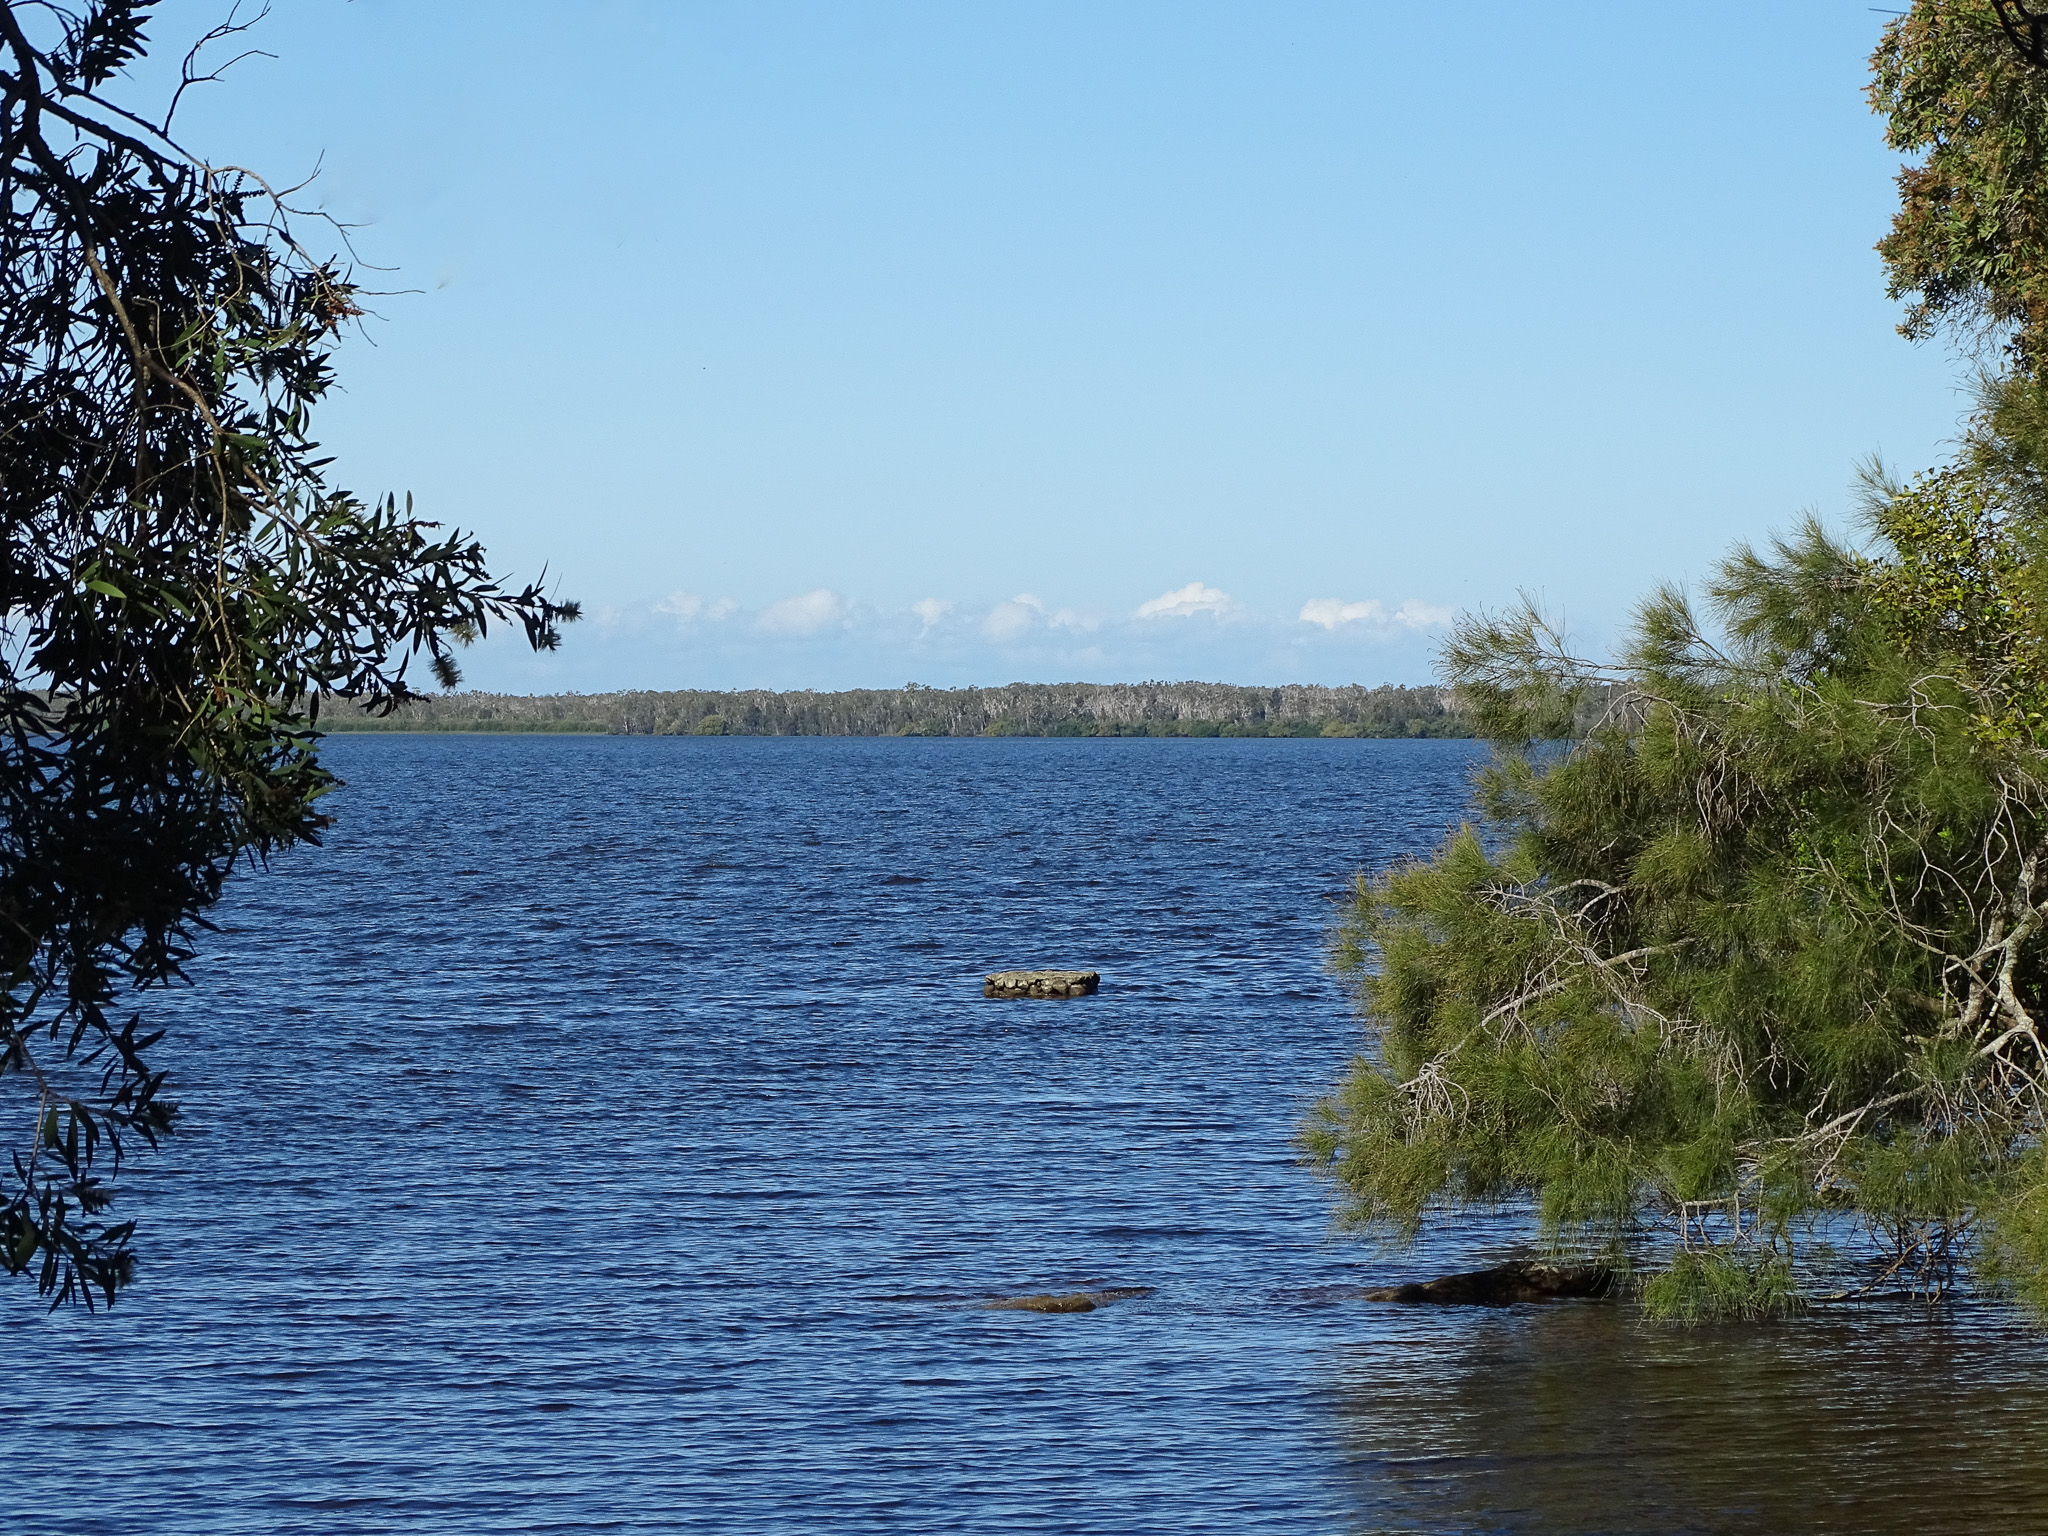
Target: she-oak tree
[
  {"x": 1755, "y": 971},
  {"x": 180, "y": 583}
]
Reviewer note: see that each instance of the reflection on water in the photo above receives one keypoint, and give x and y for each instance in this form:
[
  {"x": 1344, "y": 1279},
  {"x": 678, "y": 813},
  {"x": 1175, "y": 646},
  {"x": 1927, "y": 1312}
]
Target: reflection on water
[{"x": 1581, "y": 1418}]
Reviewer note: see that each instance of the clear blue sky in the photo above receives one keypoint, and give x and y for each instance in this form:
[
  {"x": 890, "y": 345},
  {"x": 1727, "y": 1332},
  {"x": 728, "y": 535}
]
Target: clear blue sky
[{"x": 855, "y": 342}]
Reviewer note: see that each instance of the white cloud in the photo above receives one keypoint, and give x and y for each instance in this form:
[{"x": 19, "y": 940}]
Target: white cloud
[
  {"x": 1011, "y": 621},
  {"x": 805, "y": 615},
  {"x": 1334, "y": 613},
  {"x": 688, "y": 607},
  {"x": 1186, "y": 602},
  {"x": 609, "y": 617},
  {"x": 1329, "y": 612},
  {"x": 1416, "y": 614},
  {"x": 931, "y": 609}
]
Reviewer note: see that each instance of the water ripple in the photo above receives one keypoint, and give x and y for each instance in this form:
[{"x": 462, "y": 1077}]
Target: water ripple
[{"x": 610, "y": 1134}]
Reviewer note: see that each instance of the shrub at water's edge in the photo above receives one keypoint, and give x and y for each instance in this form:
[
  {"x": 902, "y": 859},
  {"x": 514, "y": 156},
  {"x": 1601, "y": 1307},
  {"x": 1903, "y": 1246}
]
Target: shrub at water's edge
[
  {"x": 1759, "y": 959},
  {"x": 1761, "y": 952}
]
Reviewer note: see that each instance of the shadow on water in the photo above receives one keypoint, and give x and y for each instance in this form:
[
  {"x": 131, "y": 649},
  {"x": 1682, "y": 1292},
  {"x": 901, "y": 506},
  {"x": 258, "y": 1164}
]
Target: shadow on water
[{"x": 1585, "y": 1419}]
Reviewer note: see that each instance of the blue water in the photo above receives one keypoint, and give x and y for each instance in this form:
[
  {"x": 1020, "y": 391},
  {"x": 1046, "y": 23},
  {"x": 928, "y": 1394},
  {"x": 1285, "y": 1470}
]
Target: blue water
[{"x": 609, "y": 1134}]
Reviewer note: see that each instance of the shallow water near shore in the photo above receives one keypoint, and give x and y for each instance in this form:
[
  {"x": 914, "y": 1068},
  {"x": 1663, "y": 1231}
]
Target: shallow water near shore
[{"x": 610, "y": 1134}]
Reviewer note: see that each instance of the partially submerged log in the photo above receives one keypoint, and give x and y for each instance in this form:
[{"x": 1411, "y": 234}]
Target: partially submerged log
[
  {"x": 1503, "y": 1285},
  {"x": 1041, "y": 983}
]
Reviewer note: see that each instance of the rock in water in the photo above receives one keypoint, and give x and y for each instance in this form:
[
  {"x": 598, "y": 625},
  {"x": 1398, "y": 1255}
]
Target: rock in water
[
  {"x": 1073, "y": 1301},
  {"x": 1504, "y": 1285},
  {"x": 1041, "y": 983},
  {"x": 1078, "y": 1302}
]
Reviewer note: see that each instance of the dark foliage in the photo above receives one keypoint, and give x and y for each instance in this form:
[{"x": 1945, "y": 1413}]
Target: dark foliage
[{"x": 179, "y": 583}]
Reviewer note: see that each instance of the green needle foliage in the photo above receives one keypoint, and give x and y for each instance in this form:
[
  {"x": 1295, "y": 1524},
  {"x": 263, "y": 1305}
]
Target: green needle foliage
[
  {"x": 179, "y": 584},
  {"x": 1764, "y": 948},
  {"x": 1759, "y": 959}
]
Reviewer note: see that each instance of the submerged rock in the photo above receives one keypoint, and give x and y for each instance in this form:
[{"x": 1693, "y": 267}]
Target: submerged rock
[
  {"x": 1073, "y": 1301},
  {"x": 1041, "y": 983},
  {"x": 1503, "y": 1285},
  {"x": 1079, "y": 1301}
]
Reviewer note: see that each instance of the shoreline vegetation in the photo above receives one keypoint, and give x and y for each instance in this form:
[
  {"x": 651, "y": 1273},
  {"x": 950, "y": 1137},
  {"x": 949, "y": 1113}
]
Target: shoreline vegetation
[{"x": 1017, "y": 709}]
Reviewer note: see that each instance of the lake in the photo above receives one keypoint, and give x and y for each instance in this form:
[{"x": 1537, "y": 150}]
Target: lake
[{"x": 609, "y": 1134}]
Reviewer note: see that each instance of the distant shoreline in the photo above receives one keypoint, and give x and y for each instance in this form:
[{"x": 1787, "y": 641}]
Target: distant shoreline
[
  {"x": 1198, "y": 733},
  {"x": 1018, "y": 709}
]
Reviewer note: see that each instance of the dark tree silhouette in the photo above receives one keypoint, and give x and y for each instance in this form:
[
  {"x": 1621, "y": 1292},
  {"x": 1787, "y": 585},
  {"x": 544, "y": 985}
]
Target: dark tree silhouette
[{"x": 180, "y": 581}]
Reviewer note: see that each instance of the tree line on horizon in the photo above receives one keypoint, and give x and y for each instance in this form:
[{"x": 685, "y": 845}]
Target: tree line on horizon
[{"x": 1016, "y": 709}]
